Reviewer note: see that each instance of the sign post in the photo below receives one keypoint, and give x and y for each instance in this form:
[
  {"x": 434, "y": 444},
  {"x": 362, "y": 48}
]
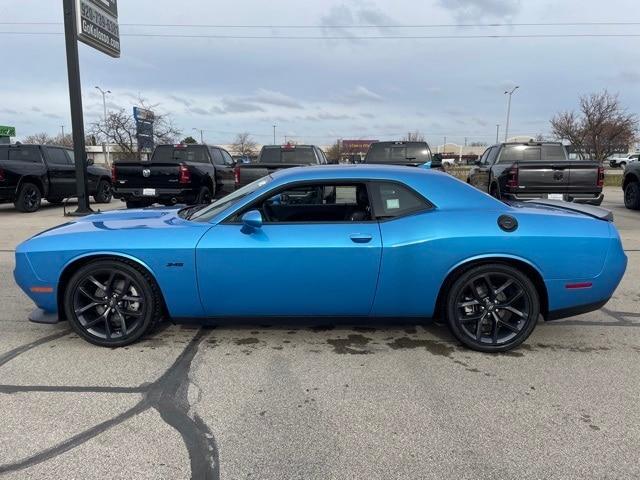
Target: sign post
[
  {"x": 93, "y": 22},
  {"x": 6, "y": 133},
  {"x": 144, "y": 129}
]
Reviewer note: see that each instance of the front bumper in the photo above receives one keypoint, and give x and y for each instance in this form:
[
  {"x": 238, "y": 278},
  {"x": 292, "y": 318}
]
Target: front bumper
[{"x": 172, "y": 195}]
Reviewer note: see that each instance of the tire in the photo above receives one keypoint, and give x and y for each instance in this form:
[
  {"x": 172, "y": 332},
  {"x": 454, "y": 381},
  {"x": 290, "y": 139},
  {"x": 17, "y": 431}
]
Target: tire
[
  {"x": 100, "y": 295},
  {"x": 104, "y": 192},
  {"x": 492, "y": 308},
  {"x": 204, "y": 196},
  {"x": 494, "y": 192},
  {"x": 632, "y": 196},
  {"x": 138, "y": 203},
  {"x": 623, "y": 165},
  {"x": 29, "y": 198}
]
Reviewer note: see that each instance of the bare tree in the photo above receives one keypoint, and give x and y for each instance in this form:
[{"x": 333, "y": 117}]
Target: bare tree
[
  {"x": 334, "y": 153},
  {"x": 416, "y": 136},
  {"x": 602, "y": 126},
  {"x": 120, "y": 129},
  {"x": 244, "y": 145},
  {"x": 44, "y": 138}
]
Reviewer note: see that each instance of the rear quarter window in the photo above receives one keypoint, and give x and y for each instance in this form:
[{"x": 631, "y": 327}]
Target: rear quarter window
[{"x": 391, "y": 200}]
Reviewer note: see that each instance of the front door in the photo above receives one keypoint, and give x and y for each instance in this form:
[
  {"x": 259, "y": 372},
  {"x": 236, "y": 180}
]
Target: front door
[
  {"x": 315, "y": 254},
  {"x": 62, "y": 173}
]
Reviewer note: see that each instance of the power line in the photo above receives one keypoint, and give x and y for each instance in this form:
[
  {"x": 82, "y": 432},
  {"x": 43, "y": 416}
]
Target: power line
[
  {"x": 350, "y": 37},
  {"x": 426, "y": 25}
]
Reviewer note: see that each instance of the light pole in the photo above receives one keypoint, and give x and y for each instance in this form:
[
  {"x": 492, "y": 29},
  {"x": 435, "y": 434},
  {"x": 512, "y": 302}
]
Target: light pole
[
  {"x": 201, "y": 134},
  {"x": 274, "y": 134},
  {"x": 497, "y": 132},
  {"x": 106, "y": 124},
  {"x": 510, "y": 93},
  {"x": 62, "y": 127}
]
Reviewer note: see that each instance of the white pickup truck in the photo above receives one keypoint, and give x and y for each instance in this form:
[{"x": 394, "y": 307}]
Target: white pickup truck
[{"x": 623, "y": 161}]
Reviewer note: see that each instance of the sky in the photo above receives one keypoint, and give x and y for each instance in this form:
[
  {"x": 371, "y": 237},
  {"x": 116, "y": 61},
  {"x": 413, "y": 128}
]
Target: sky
[{"x": 317, "y": 90}]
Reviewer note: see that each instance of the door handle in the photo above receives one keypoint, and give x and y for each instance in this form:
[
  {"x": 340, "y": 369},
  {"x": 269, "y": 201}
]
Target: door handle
[{"x": 360, "y": 237}]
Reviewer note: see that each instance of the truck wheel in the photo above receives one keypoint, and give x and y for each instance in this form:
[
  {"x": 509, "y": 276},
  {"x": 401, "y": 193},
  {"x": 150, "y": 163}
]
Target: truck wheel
[
  {"x": 29, "y": 198},
  {"x": 494, "y": 192},
  {"x": 104, "y": 193},
  {"x": 204, "y": 196},
  {"x": 632, "y": 196},
  {"x": 623, "y": 165}
]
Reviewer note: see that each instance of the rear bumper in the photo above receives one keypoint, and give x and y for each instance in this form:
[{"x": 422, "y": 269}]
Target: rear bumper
[
  {"x": 174, "y": 195},
  {"x": 7, "y": 194},
  {"x": 590, "y": 198}
]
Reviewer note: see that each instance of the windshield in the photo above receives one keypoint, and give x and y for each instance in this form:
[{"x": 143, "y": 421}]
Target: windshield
[
  {"x": 533, "y": 153},
  {"x": 297, "y": 155},
  {"x": 171, "y": 154},
  {"x": 218, "y": 206},
  {"x": 399, "y": 153}
]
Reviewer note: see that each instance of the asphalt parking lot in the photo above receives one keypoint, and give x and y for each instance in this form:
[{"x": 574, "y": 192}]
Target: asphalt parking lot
[{"x": 319, "y": 401}]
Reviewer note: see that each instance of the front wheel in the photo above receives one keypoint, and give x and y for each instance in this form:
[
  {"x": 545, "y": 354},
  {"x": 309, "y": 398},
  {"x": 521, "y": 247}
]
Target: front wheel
[
  {"x": 29, "y": 198},
  {"x": 623, "y": 165},
  {"x": 632, "y": 196},
  {"x": 204, "y": 196},
  {"x": 492, "y": 308},
  {"x": 111, "y": 303}
]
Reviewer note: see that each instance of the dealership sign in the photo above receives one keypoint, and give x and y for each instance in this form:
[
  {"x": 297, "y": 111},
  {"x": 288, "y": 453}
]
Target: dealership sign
[
  {"x": 356, "y": 146},
  {"x": 144, "y": 127},
  {"x": 7, "y": 131},
  {"x": 98, "y": 25}
]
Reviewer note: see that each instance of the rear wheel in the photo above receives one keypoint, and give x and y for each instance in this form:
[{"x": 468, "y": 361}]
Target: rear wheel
[
  {"x": 204, "y": 196},
  {"x": 112, "y": 303},
  {"x": 492, "y": 308},
  {"x": 623, "y": 165},
  {"x": 29, "y": 198},
  {"x": 104, "y": 193},
  {"x": 494, "y": 191},
  {"x": 632, "y": 196}
]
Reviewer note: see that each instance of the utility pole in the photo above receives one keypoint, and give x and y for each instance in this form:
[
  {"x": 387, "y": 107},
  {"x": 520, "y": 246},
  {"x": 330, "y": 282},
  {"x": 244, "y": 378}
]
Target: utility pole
[
  {"x": 75, "y": 100},
  {"x": 444, "y": 145},
  {"x": 510, "y": 93},
  {"x": 62, "y": 127},
  {"x": 497, "y": 132},
  {"x": 274, "y": 134},
  {"x": 201, "y": 134},
  {"x": 106, "y": 124}
]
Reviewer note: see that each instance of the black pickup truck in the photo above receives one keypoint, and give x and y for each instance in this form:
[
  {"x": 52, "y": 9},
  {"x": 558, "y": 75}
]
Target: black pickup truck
[
  {"x": 29, "y": 173},
  {"x": 192, "y": 174},
  {"x": 532, "y": 170},
  {"x": 276, "y": 157}
]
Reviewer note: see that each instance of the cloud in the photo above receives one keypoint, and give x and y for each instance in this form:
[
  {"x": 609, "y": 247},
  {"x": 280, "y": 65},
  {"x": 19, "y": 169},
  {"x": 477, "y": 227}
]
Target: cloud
[
  {"x": 270, "y": 97},
  {"x": 627, "y": 76},
  {"x": 321, "y": 116},
  {"x": 474, "y": 10},
  {"x": 199, "y": 111},
  {"x": 180, "y": 100},
  {"x": 359, "y": 95},
  {"x": 231, "y": 105},
  {"x": 363, "y": 14}
]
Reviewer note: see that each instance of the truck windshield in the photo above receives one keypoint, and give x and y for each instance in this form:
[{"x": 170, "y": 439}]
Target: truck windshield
[
  {"x": 417, "y": 152},
  {"x": 295, "y": 154},
  {"x": 207, "y": 213},
  {"x": 183, "y": 153}
]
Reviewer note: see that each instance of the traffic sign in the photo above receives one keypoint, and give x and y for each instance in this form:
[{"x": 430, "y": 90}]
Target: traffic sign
[
  {"x": 97, "y": 24},
  {"x": 7, "y": 131}
]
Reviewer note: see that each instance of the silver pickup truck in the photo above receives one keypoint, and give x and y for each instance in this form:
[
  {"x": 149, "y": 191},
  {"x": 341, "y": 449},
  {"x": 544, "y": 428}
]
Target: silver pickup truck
[{"x": 533, "y": 170}]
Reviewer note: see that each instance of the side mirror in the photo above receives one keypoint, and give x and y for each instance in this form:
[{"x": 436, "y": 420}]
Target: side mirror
[
  {"x": 436, "y": 160},
  {"x": 90, "y": 161},
  {"x": 478, "y": 162},
  {"x": 252, "y": 220}
]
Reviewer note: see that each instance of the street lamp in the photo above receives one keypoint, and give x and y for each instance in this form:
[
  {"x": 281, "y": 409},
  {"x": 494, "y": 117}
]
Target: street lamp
[
  {"x": 274, "y": 134},
  {"x": 201, "y": 134},
  {"x": 510, "y": 93},
  {"x": 106, "y": 124}
]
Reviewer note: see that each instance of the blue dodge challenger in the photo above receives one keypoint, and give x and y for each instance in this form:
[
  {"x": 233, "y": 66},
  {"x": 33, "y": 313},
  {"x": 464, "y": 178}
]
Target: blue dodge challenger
[{"x": 346, "y": 241}]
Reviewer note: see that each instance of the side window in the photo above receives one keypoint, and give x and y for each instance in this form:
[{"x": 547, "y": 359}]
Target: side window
[
  {"x": 226, "y": 158},
  {"x": 316, "y": 203},
  {"x": 57, "y": 156},
  {"x": 392, "y": 200},
  {"x": 493, "y": 153},
  {"x": 217, "y": 156},
  {"x": 25, "y": 154},
  {"x": 485, "y": 155},
  {"x": 553, "y": 152}
]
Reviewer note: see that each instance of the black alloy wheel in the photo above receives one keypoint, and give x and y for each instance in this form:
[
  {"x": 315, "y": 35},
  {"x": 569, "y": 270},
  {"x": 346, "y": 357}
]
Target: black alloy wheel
[
  {"x": 204, "y": 196},
  {"x": 111, "y": 303},
  {"x": 29, "y": 198},
  {"x": 492, "y": 308},
  {"x": 632, "y": 196},
  {"x": 104, "y": 193}
]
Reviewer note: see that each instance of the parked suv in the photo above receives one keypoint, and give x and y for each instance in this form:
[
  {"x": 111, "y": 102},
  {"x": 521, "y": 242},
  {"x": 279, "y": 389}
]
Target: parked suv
[
  {"x": 631, "y": 186},
  {"x": 29, "y": 173},
  {"x": 192, "y": 174},
  {"x": 525, "y": 171}
]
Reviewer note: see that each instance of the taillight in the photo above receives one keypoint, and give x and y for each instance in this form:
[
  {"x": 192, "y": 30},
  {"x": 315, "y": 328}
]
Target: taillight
[
  {"x": 185, "y": 174},
  {"x": 114, "y": 175},
  {"x": 236, "y": 175},
  {"x": 1, "y": 175},
  {"x": 512, "y": 178},
  {"x": 600, "y": 177}
]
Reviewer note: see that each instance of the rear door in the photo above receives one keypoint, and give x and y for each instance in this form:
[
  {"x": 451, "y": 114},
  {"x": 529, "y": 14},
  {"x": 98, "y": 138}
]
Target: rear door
[
  {"x": 479, "y": 176},
  {"x": 62, "y": 173}
]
